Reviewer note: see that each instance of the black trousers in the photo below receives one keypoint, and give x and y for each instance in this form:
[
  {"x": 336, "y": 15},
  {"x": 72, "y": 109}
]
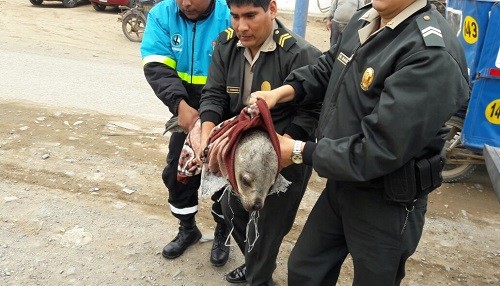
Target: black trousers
[
  {"x": 269, "y": 226},
  {"x": 356, "y": 219},
  {"x": 183, "y": 198}
]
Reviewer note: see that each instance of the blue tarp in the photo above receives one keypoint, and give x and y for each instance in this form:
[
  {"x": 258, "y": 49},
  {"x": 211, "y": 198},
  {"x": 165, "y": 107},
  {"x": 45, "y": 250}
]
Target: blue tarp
[
  {"x": 477, "y": 24},
  {"x": 469, "y": 19}
]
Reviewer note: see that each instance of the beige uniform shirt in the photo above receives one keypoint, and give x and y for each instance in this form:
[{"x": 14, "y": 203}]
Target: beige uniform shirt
[{"x": 269, "y": 45}]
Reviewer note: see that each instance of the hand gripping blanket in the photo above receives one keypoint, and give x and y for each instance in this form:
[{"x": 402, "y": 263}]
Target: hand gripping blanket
[{"x": 218, "y": 168}]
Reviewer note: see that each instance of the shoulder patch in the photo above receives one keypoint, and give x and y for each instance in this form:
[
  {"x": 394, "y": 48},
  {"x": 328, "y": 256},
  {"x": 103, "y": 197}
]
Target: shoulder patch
[
  {"x": 429, "y": 28},
  {"x": 284, "y": 39},
  {"x": 226, "y": 35}
]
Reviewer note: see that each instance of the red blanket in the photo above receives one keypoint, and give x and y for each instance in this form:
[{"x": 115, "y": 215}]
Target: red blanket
[
  {"x": 224, "y": 138},
  {"x": 221, "y": 147}
]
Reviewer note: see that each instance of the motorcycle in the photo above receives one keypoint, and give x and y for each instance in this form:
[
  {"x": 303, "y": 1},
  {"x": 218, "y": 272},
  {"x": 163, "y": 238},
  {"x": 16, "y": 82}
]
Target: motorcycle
[
  {"x": 461, "y": 161},
  {"x": 133, "y": 22},
  {"x": 134, "y": 19}
]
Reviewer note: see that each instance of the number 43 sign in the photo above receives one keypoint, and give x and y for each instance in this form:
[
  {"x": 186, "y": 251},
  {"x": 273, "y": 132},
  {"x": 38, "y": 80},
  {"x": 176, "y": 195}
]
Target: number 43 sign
[{"x": 470, "y": 30}]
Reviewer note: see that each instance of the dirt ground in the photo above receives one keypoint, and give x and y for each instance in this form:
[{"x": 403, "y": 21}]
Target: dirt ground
[{"x": 82, "y": 203}]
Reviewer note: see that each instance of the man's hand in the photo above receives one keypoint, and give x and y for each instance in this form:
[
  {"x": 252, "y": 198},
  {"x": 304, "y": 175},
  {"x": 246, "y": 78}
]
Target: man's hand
[
  {"x": 206, "y": 128},
  {"x": 187, "y": 116},
  {"x": 283, "y": 93},
  {"x": 269, "y": 97},
  {"x": 286, "y": 148}
]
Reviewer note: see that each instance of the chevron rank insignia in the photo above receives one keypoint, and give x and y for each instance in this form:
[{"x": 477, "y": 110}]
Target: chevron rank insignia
[
  {"x": 226, "y": 35},
  {"x": 431, "y": 33},
  {"x": 284, "y": 39}
]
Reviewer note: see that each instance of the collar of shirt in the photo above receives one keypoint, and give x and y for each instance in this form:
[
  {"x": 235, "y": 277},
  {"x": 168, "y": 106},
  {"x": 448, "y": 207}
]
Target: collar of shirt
[
  {"x": 372, "y": 17},
  {"x": 269, "y": 45}
]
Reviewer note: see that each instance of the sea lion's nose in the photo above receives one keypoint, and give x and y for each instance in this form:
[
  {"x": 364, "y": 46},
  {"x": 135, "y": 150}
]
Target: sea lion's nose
[{"x": 257, "y": 206}]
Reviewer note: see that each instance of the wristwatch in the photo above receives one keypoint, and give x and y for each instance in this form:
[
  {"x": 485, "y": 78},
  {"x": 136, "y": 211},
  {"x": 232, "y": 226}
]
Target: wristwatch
[{"x": 297, "y": 152}]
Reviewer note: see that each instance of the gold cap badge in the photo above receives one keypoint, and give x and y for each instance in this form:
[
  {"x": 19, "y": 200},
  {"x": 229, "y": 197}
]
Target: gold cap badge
[
  {"x": 367, "y": 78},
  {"x": 265, "y": 86}
]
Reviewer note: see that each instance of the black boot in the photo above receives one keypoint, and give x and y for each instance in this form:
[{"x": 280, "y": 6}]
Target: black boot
[
  {"x": 188, "y": 234},
  {"x": 220, "y": 252},
  {"x": 238, "y": 275}
]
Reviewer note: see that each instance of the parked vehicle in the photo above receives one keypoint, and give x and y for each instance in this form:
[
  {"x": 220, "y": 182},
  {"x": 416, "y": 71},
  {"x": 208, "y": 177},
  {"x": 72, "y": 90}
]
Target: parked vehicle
[
  {"x": 100, "y": 5},
  {"x": 66, "y": 3},
  {"x": 134, "y": 19},
  {"x": 477, "y": 126}
]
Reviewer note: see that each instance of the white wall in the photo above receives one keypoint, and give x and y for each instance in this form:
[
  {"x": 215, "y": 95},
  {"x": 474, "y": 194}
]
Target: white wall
[{"x": 289, "y": 5}]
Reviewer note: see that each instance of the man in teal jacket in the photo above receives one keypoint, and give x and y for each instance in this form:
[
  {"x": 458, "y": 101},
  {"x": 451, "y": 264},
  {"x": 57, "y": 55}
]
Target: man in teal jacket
[{"x": 176, "y": 52}]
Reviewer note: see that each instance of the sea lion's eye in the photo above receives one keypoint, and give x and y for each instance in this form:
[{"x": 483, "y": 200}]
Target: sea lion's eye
[{"x": 246, "y": 180}]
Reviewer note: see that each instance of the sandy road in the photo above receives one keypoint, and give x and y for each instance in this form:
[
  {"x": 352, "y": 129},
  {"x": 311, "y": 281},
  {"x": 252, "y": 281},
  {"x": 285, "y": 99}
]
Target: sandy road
[{"x": 81, "y": 202}]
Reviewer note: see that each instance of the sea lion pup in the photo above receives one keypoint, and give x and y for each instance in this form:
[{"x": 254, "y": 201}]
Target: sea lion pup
[
  {"x": 242, "y": 156},
  {"x": 255, "y": 168}
]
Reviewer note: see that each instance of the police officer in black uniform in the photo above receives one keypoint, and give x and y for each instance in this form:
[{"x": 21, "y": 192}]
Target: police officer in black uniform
[
  {"x": 258, "y": 53},
  {"x": 396, "y": 75}
]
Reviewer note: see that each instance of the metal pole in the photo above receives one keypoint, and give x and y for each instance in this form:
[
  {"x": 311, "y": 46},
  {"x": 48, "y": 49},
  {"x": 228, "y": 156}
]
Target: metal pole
[{"x": 300, "y": 17}]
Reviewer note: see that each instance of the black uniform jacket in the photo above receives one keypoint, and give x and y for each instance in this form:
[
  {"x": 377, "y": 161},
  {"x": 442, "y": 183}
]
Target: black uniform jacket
[
  {"x": 386, "y": 97},
  {"x": 222, "y": 95}
]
